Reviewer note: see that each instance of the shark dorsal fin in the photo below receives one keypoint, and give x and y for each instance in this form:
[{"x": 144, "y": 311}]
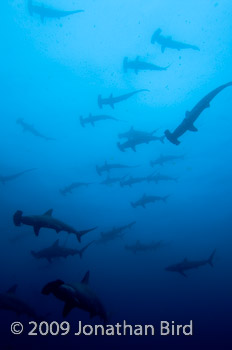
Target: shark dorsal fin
[
  {"x": 12, "y": 289},
  {"x": 56, "y": 243},
  {"x": 86, "y": 278},
  {"x": 48, "y": 213}
]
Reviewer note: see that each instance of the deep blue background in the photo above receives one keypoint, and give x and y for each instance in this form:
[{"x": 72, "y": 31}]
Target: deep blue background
[{"x": 51, "y": 73}]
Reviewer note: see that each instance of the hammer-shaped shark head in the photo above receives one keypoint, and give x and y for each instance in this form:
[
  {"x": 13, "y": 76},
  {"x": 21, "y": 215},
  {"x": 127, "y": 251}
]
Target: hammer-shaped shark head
[{"x": 51, "y": 287}]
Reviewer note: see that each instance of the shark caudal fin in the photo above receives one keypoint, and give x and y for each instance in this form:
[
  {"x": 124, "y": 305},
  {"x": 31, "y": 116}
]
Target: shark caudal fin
[
  {"x": 155, "y": 36},
  {"x": 79, "y": 234},
  {"x": 210, "y": 260},
  {"x": 171, "y": 138},
  {"x": 82, "y": 121},
  {"x": 125, "y": 64},
  {"x": 84, "y": 249},
  {"x": 17, "y": 218},
  {"x": 162, "y": 139},
  {"x": 99, "y": 100}
]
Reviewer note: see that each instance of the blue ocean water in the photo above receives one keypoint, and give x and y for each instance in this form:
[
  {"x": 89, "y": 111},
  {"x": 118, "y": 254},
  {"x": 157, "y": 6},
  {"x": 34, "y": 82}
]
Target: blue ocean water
[{"x": 52, "y": 72}]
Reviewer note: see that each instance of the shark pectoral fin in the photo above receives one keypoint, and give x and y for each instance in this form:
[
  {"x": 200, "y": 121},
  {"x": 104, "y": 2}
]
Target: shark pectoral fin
[
  {"x": 134, "y": 149},
  {"x": 182, "y": 273},
  {"x": 56, "y": 243},
  {"x": 36, "y": 230},
  {"x": 162, "y": 48},
  {"x": 48, "y": 213},
  {"x": 67, "y": 308},
  {"x": 85, "y": 280},
  {"x": 112, "y": 105},
  {"x": 192, "y": 128},
  {"x": 12, "y": 289}
]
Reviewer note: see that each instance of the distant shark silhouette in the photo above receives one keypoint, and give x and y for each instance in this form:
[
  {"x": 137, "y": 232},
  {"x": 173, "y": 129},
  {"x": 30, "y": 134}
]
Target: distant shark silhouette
[
  {"x": 78, "y": 295},
  {"x": 190, "y": 117},
  {"x": 143, "y": 247},
  {"x": 56, "y": 251},
  {"x": 92, "y": 119},
  {"x": 189, "y": 265},
  {"x": 73, "y": 186},
  {"x": 164, "y": 159},
  {"x": 168, "y": 42},
  {"x": 143, "y": 139},
  {"x": 107, "y": 167},
  {"x": 111, "y": 101},
  {"x": 138, "y": 65},
  {"x": 32, "y": 130},
  {"x": 4, "y": 179},
  {"x": 9, "y": 301},
  {"x": 131, "y": 181},
  {"x": 48, "y": 12},
  {"x": 116, "y": 232},
  {"x": 157, "y": 177},
  {"x": 144, "y": 200},
  {"x": 133, "y": 134},
  {"x": 47, "y": 221}
]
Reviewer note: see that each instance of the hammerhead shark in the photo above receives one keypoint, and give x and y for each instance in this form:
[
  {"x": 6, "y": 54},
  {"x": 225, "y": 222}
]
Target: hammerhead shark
[
  {"x": 164, "y": 159},
  {"x": 132, "y": 134},
  {"x": 108, "y": 167},
  {"x": 138, "y": 65},
  {"x": 73, "y": 186},
  {"x": 133, "y": 142},
  {"x": 189, "y": 265},
  {"x": 157, "y": 177},
  {"x": 56, "y": 251},
  {"x": 143, "y": 247},
  {"x": 144, "y": 200},
  {"x": 78, "y": 295},
  {"x": 112, "y": 180},
  {"x": 111, "y": 101},
  {"x": 191, "y": 117},
  {"x": 9, "y": 301},
  {"x": 91, "y": 119},
  {"x": 131, "y": 181},
  {"x": 7, "y": 178},
  {"x": 47, "y": 221},
  {"x": 168, "y": 42},
  {"x": 116, "y": 232},
  {"x": 32, "y": 130},
  {"x": 48, "y": 12}
]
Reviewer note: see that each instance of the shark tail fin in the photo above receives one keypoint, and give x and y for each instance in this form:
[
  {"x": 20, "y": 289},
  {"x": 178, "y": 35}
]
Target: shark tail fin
[
  {"x": 84, "y": 249},
  {"x": 82, "y": 121},
  {"x": 17, "y": 218},
  {"x": 210, "y": 260},
  {"x": 155, "y": 36},
  {"x": 79, "y": 234},
  {"x": 125, "y": 64},
  {"x": 99, "y": 100}
]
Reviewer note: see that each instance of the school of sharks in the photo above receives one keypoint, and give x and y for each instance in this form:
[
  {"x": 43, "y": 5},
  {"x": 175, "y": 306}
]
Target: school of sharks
[{"x": 148, "y": 187}]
